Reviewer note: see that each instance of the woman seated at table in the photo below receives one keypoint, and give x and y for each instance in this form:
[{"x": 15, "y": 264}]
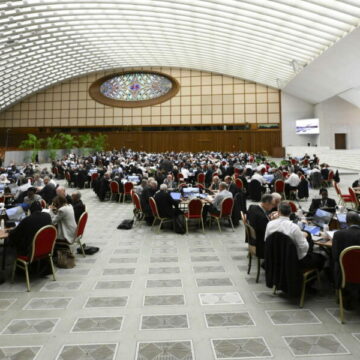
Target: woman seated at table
[
  {"x": 215, "y": 184},
  {"x": 62, "y": 215}
]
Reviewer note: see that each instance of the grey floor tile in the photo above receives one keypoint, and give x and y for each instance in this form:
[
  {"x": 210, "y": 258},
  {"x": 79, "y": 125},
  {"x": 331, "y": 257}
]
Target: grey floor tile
[
  {"x": 164, "y": 283},
  {"x": 126, "y": 251},
  {"x": 237, "y": 248},
  {"x": 88, "y": 352},
  {"x": 162, "y": 251},
  {"x": 30, "y": 326},
  {"x": 350, "y": 317},
  {"x": 174, "y": 350},
  {"x": 61, "y": 286},
  {"x": 214, "y": 282},
  {"x": 73, "y": 272},
  {"x": 308, "y": 345},
  {"x": 241, "y": 348},
  {"x": 208, "y": 269},
  {"x": 112, "y": 284},
  {"x": 201, "y": 250},
  {"x": 166, "y": 243},
  {"x": 48, "y": 303},
  {"x": 229, "y": 298},
  {"x": 122, "y": 260},
  {"x": 19, "y": 352},
  {"x": 356, "y": 336},
  {"x": 199, "y": 242},
  {"x": 163, "y": 259},
  {"x": 106, "y": 301},
  {"x": 204, "y": 258},
  {"x": 264, "y": 297},
  {"x": 119, "y": 271},
  {"x": 164, "y": 270},
  {"x": 90, "y": 324},
  {"x": 86, "y": 260},
  {"x": 150, "y": 300},
  {"x": 5, "y": 304},
  {"x": 231, "y": 319},
  {"x": 164, "y": 322},
  {"x": 292, "y": 317}
]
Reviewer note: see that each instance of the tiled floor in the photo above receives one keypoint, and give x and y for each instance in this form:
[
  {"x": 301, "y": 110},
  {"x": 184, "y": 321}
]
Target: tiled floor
[{"x": 148, "y": 296}]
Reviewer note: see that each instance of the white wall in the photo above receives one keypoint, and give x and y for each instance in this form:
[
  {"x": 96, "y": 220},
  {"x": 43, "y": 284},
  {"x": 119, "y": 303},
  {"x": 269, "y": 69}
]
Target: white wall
[
  {"x": 292, "y": 109},
  {"x": 338, "y": 116}
]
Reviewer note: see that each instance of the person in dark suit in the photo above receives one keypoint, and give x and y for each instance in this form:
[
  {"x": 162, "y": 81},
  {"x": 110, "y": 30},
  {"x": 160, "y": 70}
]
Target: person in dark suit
[
  {"x": 48, "y": 192},
  {"x": 22, "y": 236},
  {"x": 166, "y": 205},
  {"x": 343, "y": 239},
  {"x": 78, "y": 205},
  {"x": 324, "y": 171},
  {"x": 258, "y": 218},
  {"x": 231, "y": 185},
  {"x": 324, "y": 203},
  {"x": 148, "y": 191}
]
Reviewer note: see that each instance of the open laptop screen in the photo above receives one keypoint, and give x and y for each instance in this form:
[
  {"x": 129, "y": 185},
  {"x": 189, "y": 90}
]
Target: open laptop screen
[
  {"x": 175, "y": 195},
  {"x": 322, "y": 216}
]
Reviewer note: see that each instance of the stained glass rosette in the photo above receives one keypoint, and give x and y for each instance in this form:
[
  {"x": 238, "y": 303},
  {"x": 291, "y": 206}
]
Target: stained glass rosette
[{"x": 136, "y": 87}]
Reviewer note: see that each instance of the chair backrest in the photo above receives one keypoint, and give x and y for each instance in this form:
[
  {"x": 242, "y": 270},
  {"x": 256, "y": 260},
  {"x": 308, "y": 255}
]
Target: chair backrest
[
  {"x": 195, "y": 207},
  {"x": 81, "y": 224},
  {"x": 226, "y": 206},
  {"x": 330, "y": 176},
  {"x": 67, "y": 176},
  {"x": 337, "y": 189},
  {"x": 293, "y": 206},
  {"x": 263, "y": 171},
  {"x": 350, "y": 265},
  {"x": 239, "y": 184},
  {"x": 114, "y": 187},
  {"x": 250, "y": 233},
  {"x": 201, "y": 178},
  {"x": 180, "y": 176},
  {"x": 43, "y": 203},
  {"x": 353, "y": 196},
  {"x": 128, "y": 187},
  {"x": 153, "y": 207},
  {"x": 94, "y": 176},
  {"x": 279, "y": 186},
  {"x": 237, "y": 171},
  {"x": 136, "y": 201},
  {"x": 43, "y": 242}
]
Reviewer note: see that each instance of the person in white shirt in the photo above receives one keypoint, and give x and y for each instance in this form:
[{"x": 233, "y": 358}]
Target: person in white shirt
[
  {"x": 302, "y": 240},
  {"x": 291, "y": 183},
  {"x": 214, "y": 206},
  {"x": 257, "y": 176}
]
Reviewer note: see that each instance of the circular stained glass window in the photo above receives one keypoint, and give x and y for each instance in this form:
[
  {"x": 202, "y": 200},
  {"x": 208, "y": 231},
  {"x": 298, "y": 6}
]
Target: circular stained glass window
[{"x": 134, "y": 89}]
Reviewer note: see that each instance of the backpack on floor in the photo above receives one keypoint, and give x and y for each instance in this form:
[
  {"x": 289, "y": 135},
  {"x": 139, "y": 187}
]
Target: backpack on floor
[
  {"x": 179, "y": 224},
  {"x": 126, "y": 224}
]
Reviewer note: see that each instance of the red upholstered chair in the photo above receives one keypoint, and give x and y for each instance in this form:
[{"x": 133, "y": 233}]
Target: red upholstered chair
[
  {"x": 55, "y": 171},
  {"x": 343, "y": 198},
  {"x": 293, "y": 161},
  {"x": 279, "y": 187},
  {"x": 305, "y": 162},
  {"x": 293, "y": 207},
  {"x": 43, "y": 203},
  {"x": 350, "y": 271},
  {"x": 285, "y": 174},
  {"x": 68, "y": 178},
  {"x": 201, "y": 178},
  {"x": 42, "y": 248},
  {"x": 80, "y": 230},
  {"x": 180, "y": 176},
  {"x": 239, "y": 184},
  {"x": 156, "y": 215},
  {"x": 354, "y": 198},
  {"x": 195, "y": 208},
  {"x": 225, "y": 213},
  {"x": 329, "y": 180},
  {"x": 263, "y": 171},
  {"x": 237, "y": 171},
  {"x": 138, "y": 212},
  {"x": 115, "y": 190},
  {"x": 128, "y": 186},
  {"x": 200, "y": 186},
  {"x": 94, "y": 176}
]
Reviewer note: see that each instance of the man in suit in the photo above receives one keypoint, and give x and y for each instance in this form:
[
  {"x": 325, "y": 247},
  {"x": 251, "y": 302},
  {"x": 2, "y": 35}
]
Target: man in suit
[
  {"x": 78, "y": 205},
  {"x": 166, "y": 205},
  {"x": 48, "y": 192},
  {"x": 61, "y": 191},
  {"x": 22, "y": 236},
  {"x": 258, "y": 218},
  {"x": 324, "y": 203},
  {"x": 148, "y": 191},
  {"x": 343, "y": 239}
]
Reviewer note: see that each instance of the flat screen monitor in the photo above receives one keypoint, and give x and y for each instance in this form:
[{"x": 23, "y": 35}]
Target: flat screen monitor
[
  {"x": 307, "y": 127},
  {"x": 175, "y": 195}
]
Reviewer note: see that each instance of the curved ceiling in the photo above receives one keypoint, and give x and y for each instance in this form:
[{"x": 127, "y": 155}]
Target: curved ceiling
[{"x": 43, "y": 42}]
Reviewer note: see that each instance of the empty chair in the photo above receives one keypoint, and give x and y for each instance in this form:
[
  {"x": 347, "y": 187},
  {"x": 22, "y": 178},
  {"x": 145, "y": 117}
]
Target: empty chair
[
  {"x": 128, "y": 186},
  {"x": 42, "y": 248},
  {"x": 194, "y": 212},
  {"x": 115, "y": 190},
  {"x": 239, "y": 184},
  {"x": 250, "y": 238},
  {"x": 201, "y": 178}
]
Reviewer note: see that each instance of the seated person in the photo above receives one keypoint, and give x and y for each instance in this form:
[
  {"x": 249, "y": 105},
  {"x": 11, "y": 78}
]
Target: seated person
[
  {"x": 31, "y": 196},
  {"x": 276, "y": 200},
  {"x": 61, "y": 191},
  {"x": 343, "y": 239},
  {"x": 62, "y": 215},
  {"x": 48, "y": 192},
  {"x": 215, "y": 183},
  {"x": 78, "y": 205},
  {"x": 258, "y": 218},
  {"x": 356, "y": 183},
  {"x": 139, "y": 188},
  {"x": 148, "y": 191},
  {"x": 22, "y": 236},
  {"x": 214, "y": 206},
  {"x": 231, "y": 185},
  {"x": 38, "y": 181},
  {"x": 257, "y": 176},
  {"x": 291, "y": 183},
  {"x": 303, "y": 242},
  {"x": 169, "y": 182},
  {"x": 167, "y": 206},
  {"x": 324, "y": 203}
]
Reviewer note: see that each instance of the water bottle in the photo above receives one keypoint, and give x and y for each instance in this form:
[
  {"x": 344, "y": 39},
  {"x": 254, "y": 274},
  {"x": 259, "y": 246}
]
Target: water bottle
[
  {"x": 325, "y": 230},
  {"x": 2, "y": 224}
]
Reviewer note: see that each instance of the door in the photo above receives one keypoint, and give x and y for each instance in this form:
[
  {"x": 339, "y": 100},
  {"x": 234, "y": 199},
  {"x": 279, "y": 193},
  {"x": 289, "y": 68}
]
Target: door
[{"x": 340, "y": 141}]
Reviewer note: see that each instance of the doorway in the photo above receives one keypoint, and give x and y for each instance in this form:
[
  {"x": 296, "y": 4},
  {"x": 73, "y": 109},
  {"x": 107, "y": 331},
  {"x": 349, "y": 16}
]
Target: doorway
[{"x": 340, "y": 141}]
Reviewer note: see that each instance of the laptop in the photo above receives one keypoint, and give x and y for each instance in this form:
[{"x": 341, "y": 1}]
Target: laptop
[
  {"x": 342, "y": 221},
  {"x": 322, "y": 217},
  {"x": 15, "y": 213},
  {"x": 175, "y": 195},
  {"x": 133, "y": 178},
  {"x": 191, "y": 191},
  {"x": 313, "y": 230}
]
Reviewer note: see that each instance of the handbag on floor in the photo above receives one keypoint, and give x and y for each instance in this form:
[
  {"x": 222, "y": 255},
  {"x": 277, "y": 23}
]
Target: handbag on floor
[
  {"x": 126, "y": 224},
  {"x": 65, "y": 259}
]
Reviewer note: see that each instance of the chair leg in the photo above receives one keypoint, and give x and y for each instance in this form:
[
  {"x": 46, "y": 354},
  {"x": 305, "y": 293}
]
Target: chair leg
[
  {"x": 52, "y": 267},
  {"x": 341, "y": 307},
  {"x": 187, "y": 226},
  {"x": 274, "y": 292},
  {"x": 302, "y": 298},
  {"x": 160, "y": 226},
  {"x": 202, "y": 224},
  {"x": 124, "y": 198},
  {"x": 27, "y": 277},
  {"x": 82, "y": 248},
  {"x": 13, "y": 272},
  {"x": 249, "y": 264},
  {"x": 153, "y": 223},
  {"x": 231, "y": 222},
  {"x": 219, "y": 226},
  {"x": 258, "y": 270}
]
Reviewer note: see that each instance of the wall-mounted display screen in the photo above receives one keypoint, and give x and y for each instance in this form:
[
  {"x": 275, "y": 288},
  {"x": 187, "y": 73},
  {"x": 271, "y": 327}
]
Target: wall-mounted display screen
[{"x": 307, "y": 127}]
